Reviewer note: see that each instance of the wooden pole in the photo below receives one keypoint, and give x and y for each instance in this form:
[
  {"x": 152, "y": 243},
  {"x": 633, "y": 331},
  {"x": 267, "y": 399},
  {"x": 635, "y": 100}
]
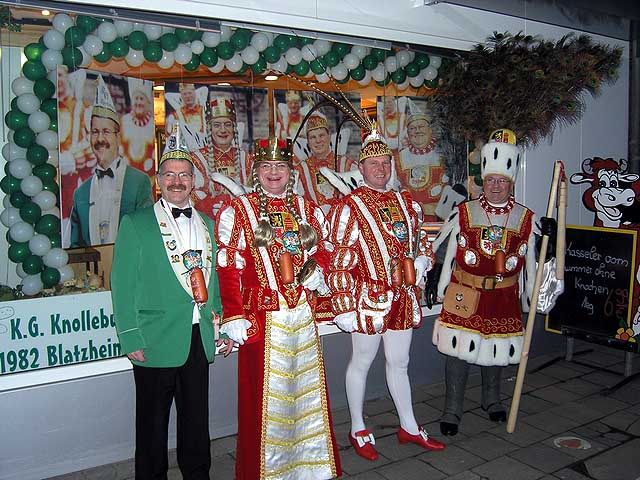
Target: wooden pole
[
  {"x": 517, "y": 392},
  {"x": 562, "y": 226}
]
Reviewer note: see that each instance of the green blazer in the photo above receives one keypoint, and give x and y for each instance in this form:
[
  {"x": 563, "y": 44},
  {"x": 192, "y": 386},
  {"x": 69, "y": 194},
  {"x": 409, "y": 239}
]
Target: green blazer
[
  {"x": 136, "y": 194},
  {"x": 152, "y": 311}
]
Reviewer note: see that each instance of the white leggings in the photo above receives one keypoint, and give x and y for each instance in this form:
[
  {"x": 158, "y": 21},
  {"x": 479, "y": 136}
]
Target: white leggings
[{"x": 396, "y": 352}]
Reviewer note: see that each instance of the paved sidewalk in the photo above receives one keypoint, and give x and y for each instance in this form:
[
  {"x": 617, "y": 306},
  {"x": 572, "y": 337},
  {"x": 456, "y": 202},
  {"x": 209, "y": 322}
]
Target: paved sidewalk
[{"x": 569, "y": 427}]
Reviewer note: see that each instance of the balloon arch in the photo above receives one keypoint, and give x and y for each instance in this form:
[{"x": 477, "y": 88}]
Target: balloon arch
[{"x": 30, "y": 209}]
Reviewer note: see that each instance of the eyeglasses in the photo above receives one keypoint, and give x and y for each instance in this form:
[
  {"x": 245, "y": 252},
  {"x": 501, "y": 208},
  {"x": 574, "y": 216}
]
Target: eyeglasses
[
  {"x": 498, "y": 181},
  {"x": 182, "y": 176},
  {"x": 278, "y": 167},
  {"x": 105, "y": 132}
]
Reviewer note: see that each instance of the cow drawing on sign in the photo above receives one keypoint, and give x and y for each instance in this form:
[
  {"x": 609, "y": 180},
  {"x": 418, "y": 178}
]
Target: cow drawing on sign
[{"x": 608, "y": 194}]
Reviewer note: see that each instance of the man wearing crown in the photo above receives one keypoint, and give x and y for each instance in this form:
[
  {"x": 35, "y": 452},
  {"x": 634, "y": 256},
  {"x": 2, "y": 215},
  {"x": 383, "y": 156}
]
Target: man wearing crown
[
  {"x": 189, "y": 109},
  {"x": 169, "y": 337},
  {"x": 490, "y": 241},
  {"x": 271, "y": 258},
  {"x": 374, "y": 268},
  {"x": 290, "y": 114},
  {"x": 114, "y": 189}
]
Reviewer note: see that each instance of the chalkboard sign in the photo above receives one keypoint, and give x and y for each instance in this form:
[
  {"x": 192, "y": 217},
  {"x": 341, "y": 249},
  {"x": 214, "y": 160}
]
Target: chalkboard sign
[{"x": 599, "y": 281}]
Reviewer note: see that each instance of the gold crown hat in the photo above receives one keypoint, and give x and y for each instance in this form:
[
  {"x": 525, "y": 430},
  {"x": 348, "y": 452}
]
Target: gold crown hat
[
  {"x": 176, "y": 147},
  {"x": 273, "y": 149},
  {"x": 374, "y": 144},
  {"x": 415, "y": 113},
  {"x": 292, "y": 95},
  {"x": 186, "y": 86},
  {"x": 222, "y": 107},
  {"x": 103, "y": 105},
  {"x": 315, "y": 121},
  {"x": 501, "y": 155}
]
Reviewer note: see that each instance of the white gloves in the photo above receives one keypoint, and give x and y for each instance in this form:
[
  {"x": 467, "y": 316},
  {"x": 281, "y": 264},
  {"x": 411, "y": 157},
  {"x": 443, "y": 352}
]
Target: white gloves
[
  {"x": 347, "y": 322},
  {"x": 315, "y": 282},
  {"x": 376, "y": 310},
  {"x": 236, "y": 330},
  {"x": 422, "y": 264}
]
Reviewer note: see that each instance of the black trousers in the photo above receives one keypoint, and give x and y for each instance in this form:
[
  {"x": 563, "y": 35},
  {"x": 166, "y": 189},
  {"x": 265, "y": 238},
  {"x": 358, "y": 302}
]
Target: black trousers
[{"x": 156, "y": 388}]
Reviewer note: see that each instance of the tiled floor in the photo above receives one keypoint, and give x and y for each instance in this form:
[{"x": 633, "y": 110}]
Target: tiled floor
[{"x": 564, "y": 399}]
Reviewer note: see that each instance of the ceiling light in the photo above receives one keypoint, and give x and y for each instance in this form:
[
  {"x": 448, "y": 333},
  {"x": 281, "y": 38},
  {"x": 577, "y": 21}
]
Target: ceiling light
[
  {"x": 158, "y": 87},
  {"x": 224, "y": 84},
  {"x": 271, "y": 78},
  {"x": 45, "y": 13}
]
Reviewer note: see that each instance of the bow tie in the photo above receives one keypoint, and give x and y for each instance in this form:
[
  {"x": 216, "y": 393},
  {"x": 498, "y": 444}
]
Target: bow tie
[
  {"x": 176, "y": 212},
  {"x": 101, "y": 173}
]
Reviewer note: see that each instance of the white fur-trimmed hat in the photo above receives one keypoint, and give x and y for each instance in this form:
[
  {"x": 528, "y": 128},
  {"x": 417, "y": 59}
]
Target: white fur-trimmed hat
[{"x": 500, "y": 155}]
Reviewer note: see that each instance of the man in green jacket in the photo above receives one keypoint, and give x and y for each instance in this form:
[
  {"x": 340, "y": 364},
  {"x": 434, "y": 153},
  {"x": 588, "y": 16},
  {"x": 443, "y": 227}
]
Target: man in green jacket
[{"x": 165, "y": 297}]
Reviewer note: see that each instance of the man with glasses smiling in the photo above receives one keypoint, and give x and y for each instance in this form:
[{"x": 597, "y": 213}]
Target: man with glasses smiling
[{"x": 114, "y": 189}]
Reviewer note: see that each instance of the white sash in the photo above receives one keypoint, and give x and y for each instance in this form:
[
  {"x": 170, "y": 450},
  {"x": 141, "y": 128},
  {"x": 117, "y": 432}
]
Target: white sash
[{"x": 104, "y": 205}]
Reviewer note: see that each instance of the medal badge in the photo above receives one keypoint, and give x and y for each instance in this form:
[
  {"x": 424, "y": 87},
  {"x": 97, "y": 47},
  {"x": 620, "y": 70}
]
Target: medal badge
[
  {"x": 192, "y": 259},
  {"x": 291, "y": 242},
  {"x": 400, "y": 231},
  {"x": 104, "y": 231},
  {"x": 492, "y": 239},
  {"x": 171, "y": 244}
]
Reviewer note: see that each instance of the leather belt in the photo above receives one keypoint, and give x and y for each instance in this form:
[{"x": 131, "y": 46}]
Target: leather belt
[{"x": 492, "y": 282}]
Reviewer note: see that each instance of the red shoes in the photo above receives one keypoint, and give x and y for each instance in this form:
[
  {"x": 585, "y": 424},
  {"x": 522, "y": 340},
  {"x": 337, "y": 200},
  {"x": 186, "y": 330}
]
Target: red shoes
[
  {"x": 422, "y": 439},
  {"x": 363, "y": 443}
]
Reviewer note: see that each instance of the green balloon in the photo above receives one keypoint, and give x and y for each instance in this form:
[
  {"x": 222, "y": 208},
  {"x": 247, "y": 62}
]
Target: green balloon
[
  {"x": 197, "y": 34},
  {"x": 105, "y": 55},
  {"x": 10, "y": 184},
  {"x": 240, "y": 39},
  {"x": 17, "y": 198},
  {"x": 399, "y": 76},
  {"x": 137, "y": 40},
  {"x": 44, "y": 88},
  {"x": 209, "y": 57},
  {"x": 412, "y": 69},
  {"x": 281, "y": 42},
  {"x": 51, "y": 187},
  {"x": 74, "y": 36},
  {"x": 37, "y": 154},
  {"x": 30, "y": 212},
  {"x": 50, "y": 277},
  {"x": 341, "y": 49},
  {"x": 477, "y": 179},
  {"x": 56, "y": 241},
  {"x": 317, "y": 66},
  {"x": 14, "y": 103},
  {"x": 358, "y": 73},
  {"x": 184, "y": 34},
  {"x": 193, "y": 64},
  {"x": 19, "y": 252},
  {"x": 289, "y": 68},
  {"x": 384, "y": 82},
  {"x": 379, "y": 54},
  {"x": 119, "y": 48},
  {"x": 370, "y": 62},
  {"x": 431, "y": 83},
  {"x": 48, "y": 225},
  {"x": 34, "y": 70},
  {"x": 15, "y": 119},
  {"x": 344, "y": 80},
  {"x": 152, "y": 52},
  {"x": 421, "y": 60},
  {"x": 32, "y": 264},
  {"x": 53, "y": 125},
  {"x": 225, "y": 50},
  {"x": 6, "y": 168},
  {"x": 24, "y": 137},
  {"x": 34, "y": 51},
  {"x": 243, "y": 69},
  {"x": 331, "y": 59},
  {"x": 474, "y": 169},
  {"x": 302, "y": 68},
  {"x": 260, "y": 66},
  {"x": 271, "y": 54},
  {"x": 50, "y": 107},
  {"x": 71, "y": 57},
  {"x": 169, "y": 42},
  {"x": 86, "y": 23},
  {"x": 45, "y": 172},
  {"x": 302, "y": 41}
]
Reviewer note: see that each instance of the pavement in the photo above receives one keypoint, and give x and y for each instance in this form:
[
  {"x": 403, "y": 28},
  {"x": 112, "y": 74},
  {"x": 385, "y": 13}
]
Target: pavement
[{"x": 572, "y": 425}]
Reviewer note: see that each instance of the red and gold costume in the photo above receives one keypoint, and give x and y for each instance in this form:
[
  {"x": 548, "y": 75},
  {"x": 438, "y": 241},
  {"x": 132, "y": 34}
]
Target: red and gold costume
[
  {"x": 138, "y": 141},
  {"x": 284, "y": 425},
  {"x": 315, "y": 185}
]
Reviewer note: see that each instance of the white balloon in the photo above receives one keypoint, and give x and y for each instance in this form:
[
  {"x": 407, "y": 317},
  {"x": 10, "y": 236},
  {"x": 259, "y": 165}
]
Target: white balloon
[
  {"x": 93, "y": 45},
  {"x": 66, "y": 273},
  {"x": 107, "y": 32},
  {"x": 234, "y": 64},
  {"x": 309, "y": 74},
  {"x": 45, "y": 200},
  {"x": 39, "y": 121},
  {"x": 378, "y": 73},
  {"x": 211, "y": 39},
  {"x": 339, "y": 72},
  {"x": 6, "y": 201},
  {"x": 250, "y": 55},
  {"x": 56, "y": 258},
  {"x": 280, "y": 65},
  {"x": 32, "y": 285},
  {"x": 322, "y": 46},
  {"x": 53, "y": 157},
  {"x": 218, "y": 67},
  {"x": 404, "y": 58},
  {"x": 429, "y": 73},
  {"x": 322, "y": 77},
  {"x": 412, "y": 56},
  {"x": 165, "y": 29},
  {"x": 123, "y": 27},
  {"x": 39, "y": 244},
  {"x": 134, "y": 58},
  {"x": 416, "y": 81},
  {"x": 366, "y": 79},
  {"x": 53, "y": 39},
  {"x": 259, "y": 41},
  {"x": 360, "y": 51},
  {"x": 309, "y": 52},
  {"x": 153, "y": 32},
  {"x": 20, "y": 168},
  {"x": 28, "y": 103},
  {"x": 11, "y": 151},
  {"x": 31, "y": 185},
  {"x": 52, "y": 76},
  {"x": 197, "y": 47},
  {"x": 48, "y": 139},
  {"x": 225, "y": 33},
  {"x": 86, "y": 58},
  {"x": 21, "y": 231},
  {"x": 139, "y": 26},
  {"x": 166, "y": 61},
  {"x": 10, "y": 216},
  {"x": 435, "y": 61},
  {"x": 21, "y": 85},
  {"x": 403, "y": 85},
  {"x": 62, "y": 22},
  {"x": 20, "y": 271},
  {"x": 183, "y": 54},
  {"x": 391, "y": 64},
  {"x": 293, "y": 56},
  {"x": 351, "y": 61},
  {"x": 51, "y": 59},
  {"x": 55, "y": 211}
]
